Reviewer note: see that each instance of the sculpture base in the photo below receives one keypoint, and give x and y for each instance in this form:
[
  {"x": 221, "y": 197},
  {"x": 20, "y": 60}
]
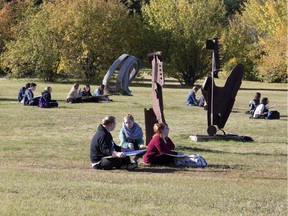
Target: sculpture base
[{"x": 227, "y": 137}]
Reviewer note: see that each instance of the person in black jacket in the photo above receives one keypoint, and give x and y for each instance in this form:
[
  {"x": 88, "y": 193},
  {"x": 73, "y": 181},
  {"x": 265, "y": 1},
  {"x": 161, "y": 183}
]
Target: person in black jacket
[
  {"x": 29, "y": 99},
  {"x": 104, "y": 153},
  {"x": 45, "y": 100}
]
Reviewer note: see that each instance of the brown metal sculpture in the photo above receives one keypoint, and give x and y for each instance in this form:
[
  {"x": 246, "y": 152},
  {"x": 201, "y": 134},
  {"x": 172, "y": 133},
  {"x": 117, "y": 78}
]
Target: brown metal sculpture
[
  {"x": 156, "y": 114},
  {"x": 220, "y": 100}
]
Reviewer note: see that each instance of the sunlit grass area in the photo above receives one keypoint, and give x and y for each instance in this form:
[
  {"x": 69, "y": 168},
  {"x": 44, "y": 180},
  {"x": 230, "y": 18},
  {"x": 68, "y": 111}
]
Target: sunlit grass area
[{"x": 45, "y": 167}]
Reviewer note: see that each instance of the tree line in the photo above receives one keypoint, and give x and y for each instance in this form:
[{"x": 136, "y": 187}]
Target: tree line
[{"x": 80, "y": 39}]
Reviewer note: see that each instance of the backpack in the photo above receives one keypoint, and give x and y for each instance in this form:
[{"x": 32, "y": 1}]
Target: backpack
[
  {"x": 43, "y": 103},
  {"x": 194, "y": 160},
  {"x": 273, "y": 115}
]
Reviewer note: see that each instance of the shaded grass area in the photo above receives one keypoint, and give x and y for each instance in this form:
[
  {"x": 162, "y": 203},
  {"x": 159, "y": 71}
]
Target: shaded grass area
[{"x": 45, "y": 167}]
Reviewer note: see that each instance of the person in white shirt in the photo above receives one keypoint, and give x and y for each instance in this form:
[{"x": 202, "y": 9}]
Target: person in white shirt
[{"x": 262, "y": 109}]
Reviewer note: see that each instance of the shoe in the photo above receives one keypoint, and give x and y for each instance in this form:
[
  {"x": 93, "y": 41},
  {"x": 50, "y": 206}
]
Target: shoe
[{"x": 132, "y": 166}]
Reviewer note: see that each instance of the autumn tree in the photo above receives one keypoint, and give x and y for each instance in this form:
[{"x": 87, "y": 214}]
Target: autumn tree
[
  {"x": 181, "y": 29},
  {"x": 267, "y": 22}
]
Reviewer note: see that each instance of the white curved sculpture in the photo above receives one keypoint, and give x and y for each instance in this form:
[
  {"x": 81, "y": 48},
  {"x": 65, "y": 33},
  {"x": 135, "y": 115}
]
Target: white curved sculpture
[{"x": 130, "y": 66}]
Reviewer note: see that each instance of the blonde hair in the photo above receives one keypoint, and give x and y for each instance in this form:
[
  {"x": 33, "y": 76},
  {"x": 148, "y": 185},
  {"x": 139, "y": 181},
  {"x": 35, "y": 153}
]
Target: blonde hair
[
  {"x": 128, "y": 116},
  {"x": 108, "y": 120}
]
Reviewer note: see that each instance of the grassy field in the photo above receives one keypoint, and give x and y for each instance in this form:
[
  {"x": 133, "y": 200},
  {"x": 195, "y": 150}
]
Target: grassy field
[{"x": 45, "y": 167}]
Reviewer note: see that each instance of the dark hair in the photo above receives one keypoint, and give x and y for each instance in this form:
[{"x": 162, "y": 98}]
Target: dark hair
[
  {"x": 108, "y": 120},
  {"x": 158, "y": 128},
  {"x": 27, "y": 85},
  {"x": 265, "y": 100},
  {"x": 33, "y": 84}
]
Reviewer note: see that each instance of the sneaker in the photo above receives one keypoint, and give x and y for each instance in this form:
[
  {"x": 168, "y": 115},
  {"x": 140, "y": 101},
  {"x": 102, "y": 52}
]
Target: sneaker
[{"x": 132, "y": 166}]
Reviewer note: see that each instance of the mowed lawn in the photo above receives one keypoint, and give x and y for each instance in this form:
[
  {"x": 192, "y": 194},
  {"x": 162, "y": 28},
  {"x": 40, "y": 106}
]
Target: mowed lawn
[{"x": 45, "y": 167}]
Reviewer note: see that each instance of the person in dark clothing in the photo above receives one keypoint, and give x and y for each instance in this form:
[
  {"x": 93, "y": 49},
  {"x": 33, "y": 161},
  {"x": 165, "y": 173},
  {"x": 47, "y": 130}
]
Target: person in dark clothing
[
  {"x": 22, "y": 92},
  {"x": 45, "y": 100},
  {"x": 102, "y": 145},
  {"x": 87, "y": 96},
  {"x": 254, "y": 103},
  {"x": 29, "y": 99}
]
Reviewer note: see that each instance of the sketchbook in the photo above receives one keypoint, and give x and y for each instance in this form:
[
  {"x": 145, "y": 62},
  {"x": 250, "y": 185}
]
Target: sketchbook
[{"x": 130, "y": 153}]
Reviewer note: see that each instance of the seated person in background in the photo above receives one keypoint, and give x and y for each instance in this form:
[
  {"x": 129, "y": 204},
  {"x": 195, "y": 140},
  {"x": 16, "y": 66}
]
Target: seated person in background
[
  {"x": 100, "y": 92},
  {"x": 131, "y": 134},
  {"x": 74, "y": 95},
  {"x": 45, "y": 100},
  {"x": 29, "y": 99},
  {"x": 22, "y": 92},
  {"x": 87, "y": 96},
  {"x": 254, "y": 103},
  {"x": 102, "y": 145},
  {"x": 262, "y": 109},
  {"x": 86, "y": 91},
  {"x": 191, "y": 98},
  {"x": 160, "y": 145}
]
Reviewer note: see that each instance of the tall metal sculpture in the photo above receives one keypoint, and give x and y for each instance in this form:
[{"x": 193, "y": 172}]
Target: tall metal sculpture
[
  {"x": 156, "y": 114},
  {"x": 220, "y": 100},
  {"x": 129, "y": 67}
]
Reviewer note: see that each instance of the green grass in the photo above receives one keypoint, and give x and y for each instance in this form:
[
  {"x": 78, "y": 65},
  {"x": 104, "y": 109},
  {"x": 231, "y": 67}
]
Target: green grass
[{"x": 45, "y": 167}]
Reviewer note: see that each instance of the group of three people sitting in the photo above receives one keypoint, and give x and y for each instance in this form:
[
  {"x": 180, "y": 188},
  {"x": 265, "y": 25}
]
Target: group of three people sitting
[
  {"x": 75, "y": 94},
  {"x": 26, "y": 96},
  {"x": 105, "y": 154}
]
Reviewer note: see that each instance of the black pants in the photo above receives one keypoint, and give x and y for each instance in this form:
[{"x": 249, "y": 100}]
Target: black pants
[
  {"x": 53, "y": 103},
  {"x": 110, "y": 163},
  {"x": 163, "y": 160}
]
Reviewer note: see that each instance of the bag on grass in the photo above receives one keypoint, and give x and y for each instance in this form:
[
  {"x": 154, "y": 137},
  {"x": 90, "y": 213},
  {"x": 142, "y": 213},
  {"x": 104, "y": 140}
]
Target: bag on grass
[
  {"x": 273, "y": 115},
  {"x": 194, "y": 160}
]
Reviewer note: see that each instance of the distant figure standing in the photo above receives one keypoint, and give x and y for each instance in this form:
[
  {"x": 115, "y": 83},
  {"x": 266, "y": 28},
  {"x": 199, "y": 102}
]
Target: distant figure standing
[
  {"x": 45, "y": 100},
  {"x": 22, "y": 92},
  {"x": 191, "y": 98},
  {"x": 29, "y": 99},
  {"x": 254, "y": 103},
  {"x": 131, "y": 134},
  {"x": 262, "y": 109}
]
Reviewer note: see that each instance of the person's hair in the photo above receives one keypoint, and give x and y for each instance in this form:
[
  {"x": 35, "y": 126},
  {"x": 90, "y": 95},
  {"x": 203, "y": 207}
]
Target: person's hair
[
  {"x": 76, "y": 85},
  {"x": 258, "y": 95},
  {"x": 27, "y": 85},
  {"x": 195, "y": 88},
  {"x": 108, "y": 120},
  {"x": 128, "y": 116},
  {"x": 33, "y": 85},
  {"x": 265, "y": 100},
  {"x": 88, "y": 86},
  {"x": 158, "y": 128},
  {"x": 48, "y": 88}
]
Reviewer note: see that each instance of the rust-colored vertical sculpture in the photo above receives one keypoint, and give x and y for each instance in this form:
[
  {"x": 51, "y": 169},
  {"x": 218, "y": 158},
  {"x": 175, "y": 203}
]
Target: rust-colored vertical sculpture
[{"x": 156, "y": 114}]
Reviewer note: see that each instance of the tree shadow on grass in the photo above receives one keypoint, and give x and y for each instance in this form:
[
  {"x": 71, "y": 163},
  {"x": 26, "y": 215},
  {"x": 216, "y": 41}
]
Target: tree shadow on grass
[
  {"x": 195, "y": 149},
  {"x": 9, "y": 99}
]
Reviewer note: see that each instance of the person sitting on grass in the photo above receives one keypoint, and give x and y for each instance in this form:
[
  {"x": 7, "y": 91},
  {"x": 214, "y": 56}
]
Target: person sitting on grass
[
  {"x": 131, "y": 134},
  {"x": 254, "y": 103},
  {"x": 45, "y": 100},
  {"x": 74, "y": 95},
  {"x": 86, "y": 95},
  {"x": 29, "y": 99},
  {"x": 262, "y": 109},
  {"x": 102, "y": 145},
  {"x": 159, "y": 146},
  {"x": 100, "y": 92},
  {"x": 22, "y": 92},
  {"x": 191, "y": 98}
]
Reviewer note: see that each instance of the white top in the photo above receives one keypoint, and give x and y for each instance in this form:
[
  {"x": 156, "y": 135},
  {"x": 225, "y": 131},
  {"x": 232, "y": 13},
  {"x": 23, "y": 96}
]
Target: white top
[{"x": 259, "y": 110}]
